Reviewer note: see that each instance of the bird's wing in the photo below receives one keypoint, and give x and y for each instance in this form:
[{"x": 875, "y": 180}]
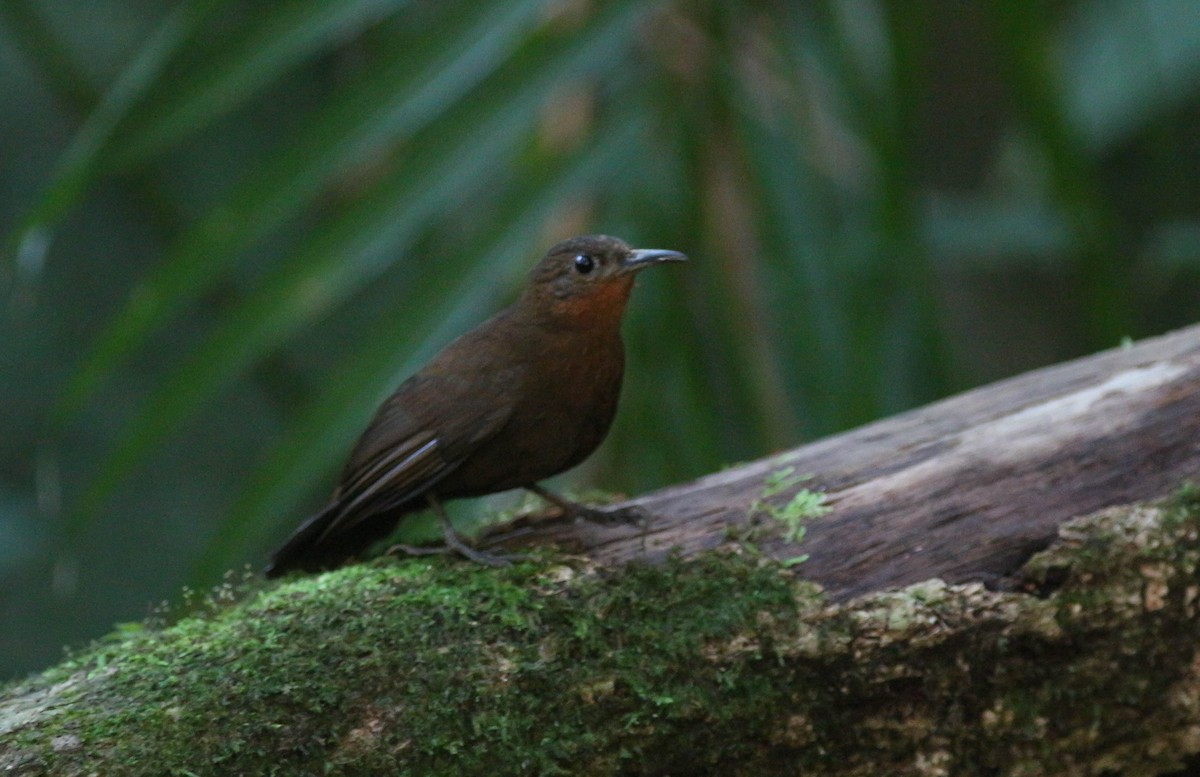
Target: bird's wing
[
  {"x": 397, "y": 460},
  {"x": 345, "y": 527},
  {"x": 389, "y": 479}
]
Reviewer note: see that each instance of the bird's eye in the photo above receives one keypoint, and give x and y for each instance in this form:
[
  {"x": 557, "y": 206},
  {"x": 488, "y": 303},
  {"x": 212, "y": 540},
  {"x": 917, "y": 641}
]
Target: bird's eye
[{"x": 584, "y": 264}]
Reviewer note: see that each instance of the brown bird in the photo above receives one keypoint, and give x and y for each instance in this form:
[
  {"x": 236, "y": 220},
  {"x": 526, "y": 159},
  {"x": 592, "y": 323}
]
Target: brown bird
[{"x": 526, "y": 395}]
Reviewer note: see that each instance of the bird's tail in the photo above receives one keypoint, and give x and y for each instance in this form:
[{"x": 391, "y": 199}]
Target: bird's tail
[{"x": 327, "y": 540}]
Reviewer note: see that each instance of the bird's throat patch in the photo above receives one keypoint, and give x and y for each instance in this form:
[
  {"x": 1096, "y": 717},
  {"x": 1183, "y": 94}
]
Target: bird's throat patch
[{"x": 602, "y": 302}]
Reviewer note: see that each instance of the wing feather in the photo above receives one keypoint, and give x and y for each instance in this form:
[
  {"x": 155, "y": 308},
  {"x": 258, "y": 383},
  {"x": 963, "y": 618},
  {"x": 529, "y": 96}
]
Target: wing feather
[
  {"x": 394, "y": 477},
  {"x": 423, "y": 433}
]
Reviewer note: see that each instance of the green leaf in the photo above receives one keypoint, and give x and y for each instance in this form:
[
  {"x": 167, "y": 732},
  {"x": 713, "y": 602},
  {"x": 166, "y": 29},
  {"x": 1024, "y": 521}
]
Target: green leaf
[
  {"x": 1126, "y": 63},
  {"x": 350, "y": 250},
  {"x": 401, "y": 96},
  {"x": 213, "y": 80},
  {"x": 78, "y": 166}
]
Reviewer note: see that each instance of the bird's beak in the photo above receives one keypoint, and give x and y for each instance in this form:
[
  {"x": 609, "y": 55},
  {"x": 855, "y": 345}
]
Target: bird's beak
[{"x": 640, "y": 258}]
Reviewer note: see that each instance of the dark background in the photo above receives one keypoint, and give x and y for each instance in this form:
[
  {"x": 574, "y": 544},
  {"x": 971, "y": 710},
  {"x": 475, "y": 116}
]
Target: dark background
[{"x": 230, "y": 227}]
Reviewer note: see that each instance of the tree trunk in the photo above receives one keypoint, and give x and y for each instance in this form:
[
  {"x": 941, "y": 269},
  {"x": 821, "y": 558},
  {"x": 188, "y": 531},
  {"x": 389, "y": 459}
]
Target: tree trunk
[{"x": 941, "y": 642}]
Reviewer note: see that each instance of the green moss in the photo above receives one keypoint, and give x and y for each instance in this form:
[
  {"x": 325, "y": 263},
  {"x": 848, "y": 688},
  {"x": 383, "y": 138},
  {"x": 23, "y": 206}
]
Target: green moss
[
  {"x": 320, "y": 667},
  {"x": 720, "y": 665}
]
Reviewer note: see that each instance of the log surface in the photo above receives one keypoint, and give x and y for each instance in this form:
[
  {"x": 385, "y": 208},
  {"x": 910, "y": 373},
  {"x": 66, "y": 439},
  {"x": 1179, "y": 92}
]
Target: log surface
[{"x": 964, "y": 489}]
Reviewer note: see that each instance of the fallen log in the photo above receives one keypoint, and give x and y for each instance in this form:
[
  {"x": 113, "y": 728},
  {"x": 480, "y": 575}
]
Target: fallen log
[
  {"x": 963, "y": 489},
  {"x": 976, "y": 617}
]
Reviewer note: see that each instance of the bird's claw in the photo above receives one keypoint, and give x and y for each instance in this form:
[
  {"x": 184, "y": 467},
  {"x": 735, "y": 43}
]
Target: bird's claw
[
  {"x": 462, "y": 549},
  {"x": 487, "y": 559},
  {"x": 412, "y": 550},
  {"x": 610, "y": 516},
  {"x": 627, "y": 514}
]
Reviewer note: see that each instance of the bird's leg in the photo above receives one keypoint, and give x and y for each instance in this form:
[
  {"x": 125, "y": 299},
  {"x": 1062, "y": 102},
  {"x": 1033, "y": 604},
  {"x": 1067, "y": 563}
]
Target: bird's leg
[
  {"x": 455, "y": 541},
  {"x": 609, "y": 515},
  {"x": 413, "y": 550}
]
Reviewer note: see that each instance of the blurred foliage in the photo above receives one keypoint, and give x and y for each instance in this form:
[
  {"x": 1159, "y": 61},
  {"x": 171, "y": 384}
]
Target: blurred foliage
[{"x": 232, "y": 227}]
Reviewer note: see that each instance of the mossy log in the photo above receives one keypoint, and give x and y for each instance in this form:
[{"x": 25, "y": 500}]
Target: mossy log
[{"x": 1070, "y": 649}]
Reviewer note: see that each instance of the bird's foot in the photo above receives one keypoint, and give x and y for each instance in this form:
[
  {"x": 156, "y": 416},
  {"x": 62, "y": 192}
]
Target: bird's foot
[
  {"x": 608, "y": 516},
  {"x": 461, "y": 548},
  {"x": 412, "y": 550},
  {"x": 628, "y": 514},
  {"x": 458, "y": 545}
]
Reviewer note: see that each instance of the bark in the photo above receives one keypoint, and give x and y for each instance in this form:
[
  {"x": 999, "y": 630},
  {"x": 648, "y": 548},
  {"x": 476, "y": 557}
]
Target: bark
[
  {"x": 963, "y": 489},
  {"x": 941, "y": 643}
]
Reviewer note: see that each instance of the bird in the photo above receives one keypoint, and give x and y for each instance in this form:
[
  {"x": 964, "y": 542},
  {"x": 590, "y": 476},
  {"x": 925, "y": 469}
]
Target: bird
[{"x": 527, "y": 394}]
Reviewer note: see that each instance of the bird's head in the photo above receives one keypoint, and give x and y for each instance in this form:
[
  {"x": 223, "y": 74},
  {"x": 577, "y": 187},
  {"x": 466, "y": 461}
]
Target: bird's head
[{"x": 590, "y": 276}]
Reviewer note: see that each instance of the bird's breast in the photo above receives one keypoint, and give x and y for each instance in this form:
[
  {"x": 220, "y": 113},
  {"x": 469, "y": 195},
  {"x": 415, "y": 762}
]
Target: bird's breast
[{"x": 561, "y": 410}]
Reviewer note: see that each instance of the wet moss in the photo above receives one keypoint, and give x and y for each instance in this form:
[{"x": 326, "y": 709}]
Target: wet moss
[
  {"x": 723, "y": 664},
  {"x": 434, "y": 665}
]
